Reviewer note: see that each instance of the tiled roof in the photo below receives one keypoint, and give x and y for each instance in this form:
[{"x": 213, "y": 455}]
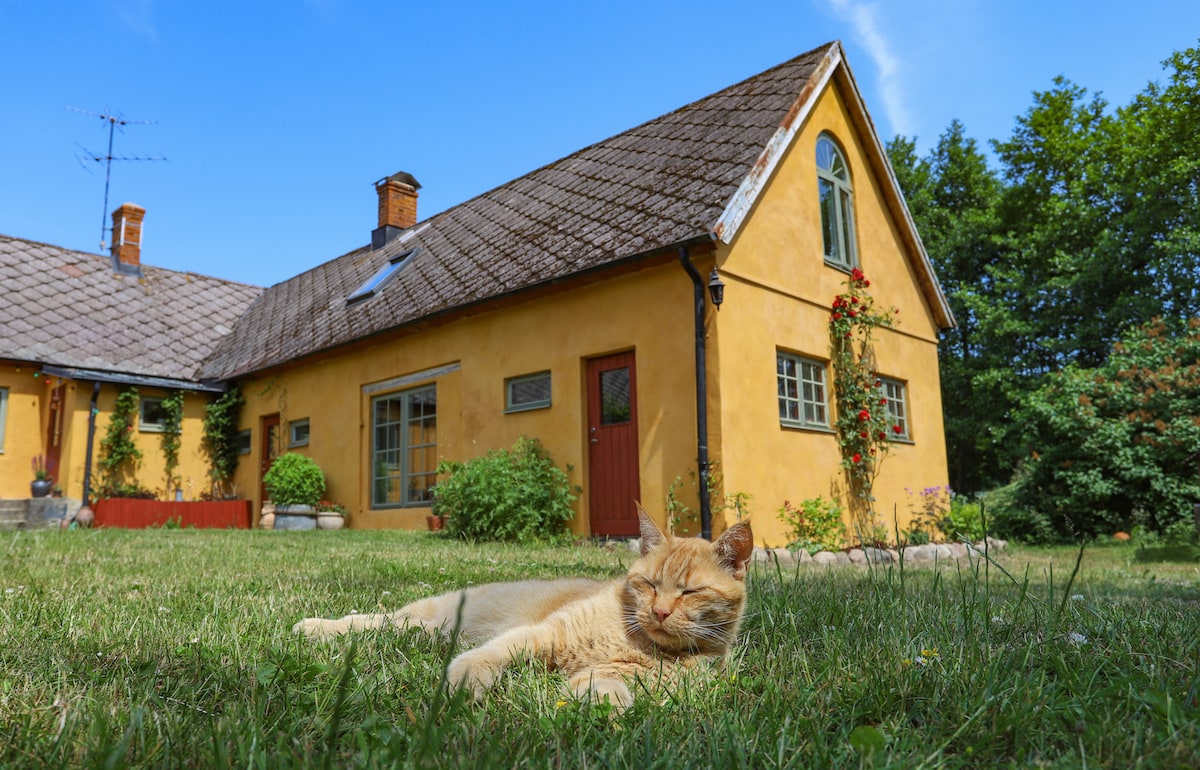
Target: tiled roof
[
  {"x": 72, "y": 309},
  {"x": 662, "y": 183}
]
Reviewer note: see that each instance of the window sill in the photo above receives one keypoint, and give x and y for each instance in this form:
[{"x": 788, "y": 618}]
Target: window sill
[
  {"x": 807, "y": 428},
  {"x": 526, "y": 408}
]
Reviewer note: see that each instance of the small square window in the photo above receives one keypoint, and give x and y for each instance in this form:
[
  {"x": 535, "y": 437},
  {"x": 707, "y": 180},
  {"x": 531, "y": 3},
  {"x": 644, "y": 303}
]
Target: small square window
[
  {"x": 152, "y": 417},
  {"x": 531, "y": 391},
  {"x": 801, "y": 392},
  {"x": 298, "y": 433},
  {"x": 896, "y": 403},
  {"x": 243, "y": 442}
]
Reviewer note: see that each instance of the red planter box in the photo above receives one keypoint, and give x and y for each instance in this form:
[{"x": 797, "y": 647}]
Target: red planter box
[{"x": 139, "y": 514}]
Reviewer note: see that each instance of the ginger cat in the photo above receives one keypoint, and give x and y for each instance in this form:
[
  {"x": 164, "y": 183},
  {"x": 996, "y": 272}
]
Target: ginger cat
[{"x": 680, "y": 603}]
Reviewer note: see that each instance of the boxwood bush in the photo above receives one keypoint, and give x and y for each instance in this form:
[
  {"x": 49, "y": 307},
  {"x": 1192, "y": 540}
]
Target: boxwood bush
[
  {"x": 515, "y": 494},
  {"x": 294, "y": 479}
]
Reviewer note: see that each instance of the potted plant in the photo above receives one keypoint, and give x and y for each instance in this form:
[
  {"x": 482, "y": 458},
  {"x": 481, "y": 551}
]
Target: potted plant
[
  {"x": 295, "y": 484},
  {"x": 331, "y": 515},
  {"x": 42, "y": 483}
]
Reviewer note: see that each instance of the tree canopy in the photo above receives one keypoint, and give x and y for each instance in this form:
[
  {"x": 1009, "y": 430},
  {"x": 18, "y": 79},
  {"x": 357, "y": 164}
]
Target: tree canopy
[{"x": 1086, "y": 232}]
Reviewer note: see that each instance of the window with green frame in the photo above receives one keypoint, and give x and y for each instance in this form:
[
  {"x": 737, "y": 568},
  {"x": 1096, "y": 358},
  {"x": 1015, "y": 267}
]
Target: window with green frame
[
  {"x": 893, "y": 391},
  {"x": 530, "y": 391},
  {"x": 404, "y": 448},
  {"x": 3, "y": 415},
  {"x": 802, "y": 393},
  {"x": 837, "y": 204}
]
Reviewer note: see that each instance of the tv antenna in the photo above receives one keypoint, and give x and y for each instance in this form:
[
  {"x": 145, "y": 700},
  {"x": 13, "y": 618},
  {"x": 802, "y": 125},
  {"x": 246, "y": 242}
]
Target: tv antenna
[{"x": 113, "y": 120}]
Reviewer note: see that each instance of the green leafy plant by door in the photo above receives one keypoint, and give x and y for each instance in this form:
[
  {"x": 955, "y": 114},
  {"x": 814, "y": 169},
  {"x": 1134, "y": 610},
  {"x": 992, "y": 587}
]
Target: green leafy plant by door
[{"x": 119, "y": 455}]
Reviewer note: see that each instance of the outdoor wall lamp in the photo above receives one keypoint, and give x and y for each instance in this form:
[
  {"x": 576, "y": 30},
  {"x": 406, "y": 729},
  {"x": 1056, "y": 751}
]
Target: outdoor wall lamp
[{"x": 716, "y": 288}]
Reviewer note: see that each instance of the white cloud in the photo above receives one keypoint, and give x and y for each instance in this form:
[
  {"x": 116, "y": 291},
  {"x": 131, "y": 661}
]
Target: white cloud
[
  {"x": 138, "y": 16},
  {"x": 864, "y": 21}
]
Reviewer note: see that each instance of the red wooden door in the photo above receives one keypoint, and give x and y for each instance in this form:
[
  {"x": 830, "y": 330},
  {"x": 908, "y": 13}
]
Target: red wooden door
[
  {"x": 613, "y": 478},
  {"x": 268, "y": 451}
]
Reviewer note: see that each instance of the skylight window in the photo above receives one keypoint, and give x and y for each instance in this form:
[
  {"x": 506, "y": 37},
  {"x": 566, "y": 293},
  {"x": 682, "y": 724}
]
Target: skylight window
[{"x": 381, "y": 277}]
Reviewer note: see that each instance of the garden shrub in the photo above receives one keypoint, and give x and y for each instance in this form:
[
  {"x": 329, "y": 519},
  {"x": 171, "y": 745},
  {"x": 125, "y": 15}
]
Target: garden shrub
[
  {"x": 816, "y": 525},
  {"x": 1113, "y": 447},
  {"x": 964, "y": 520},
  {"x": 515, "y": 494},
  {"x": 294, "y": 479}
]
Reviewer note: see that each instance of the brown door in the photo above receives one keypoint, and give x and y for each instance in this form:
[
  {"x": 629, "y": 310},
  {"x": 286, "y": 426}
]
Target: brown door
[
  {"x": 268, "y": 451},
  {"x": 613, "y": 484}
]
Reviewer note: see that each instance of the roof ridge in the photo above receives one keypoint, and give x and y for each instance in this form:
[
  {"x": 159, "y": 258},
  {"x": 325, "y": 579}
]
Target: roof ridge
[{"x": 685, "y": 107}]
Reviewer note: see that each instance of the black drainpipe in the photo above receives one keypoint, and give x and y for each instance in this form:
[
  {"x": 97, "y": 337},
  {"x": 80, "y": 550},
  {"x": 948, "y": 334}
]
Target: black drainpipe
[
  {"x": 698, "y": 290},
  {"x": 87, "y": 463}
]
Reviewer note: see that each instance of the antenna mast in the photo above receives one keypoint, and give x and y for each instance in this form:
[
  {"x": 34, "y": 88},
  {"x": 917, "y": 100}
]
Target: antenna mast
[{"x": 113, "y": 120}]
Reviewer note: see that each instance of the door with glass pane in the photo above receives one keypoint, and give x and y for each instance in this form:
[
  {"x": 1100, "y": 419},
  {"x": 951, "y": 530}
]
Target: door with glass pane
[
  {"x": 268, "y": 450},
  {"x": 613, "y": 471}
]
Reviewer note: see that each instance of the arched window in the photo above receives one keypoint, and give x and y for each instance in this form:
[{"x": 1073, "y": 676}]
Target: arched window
[{"x": 837, "y": 204}]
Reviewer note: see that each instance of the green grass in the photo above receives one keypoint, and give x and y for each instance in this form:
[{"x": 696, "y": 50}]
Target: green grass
[{"x": 171, "y": 648}]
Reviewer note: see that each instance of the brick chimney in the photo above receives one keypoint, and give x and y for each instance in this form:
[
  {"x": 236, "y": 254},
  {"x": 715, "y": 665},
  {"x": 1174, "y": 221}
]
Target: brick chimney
[
  {"x": 397, "y": 207},
  {"x": 127, "y": 238}
]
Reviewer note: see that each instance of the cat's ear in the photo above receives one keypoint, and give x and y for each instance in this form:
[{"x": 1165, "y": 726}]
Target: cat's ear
[
  {"x": 652, "y": 536},
  {"x": 735, "y": 547}
]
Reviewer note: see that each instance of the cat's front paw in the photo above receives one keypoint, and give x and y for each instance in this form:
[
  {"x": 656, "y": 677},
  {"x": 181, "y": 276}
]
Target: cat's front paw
[
  {"x": 471, "y": 671},
  {"x": 616, "y": 692},
  {"x": 317, "y": 628}
]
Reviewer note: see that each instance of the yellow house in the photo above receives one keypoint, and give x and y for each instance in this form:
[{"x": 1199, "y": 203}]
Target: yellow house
[
  {"x": 576, "y": 305},
  {"x": 78, "y": 329}
]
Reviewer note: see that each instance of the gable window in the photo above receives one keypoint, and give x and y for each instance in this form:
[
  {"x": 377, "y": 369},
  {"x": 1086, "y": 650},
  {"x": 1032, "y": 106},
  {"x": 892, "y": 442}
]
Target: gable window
[
  {"x": 381, "y": 277},
  {"x": 152, "y": 417},
  {"x": 893, "y": 392},
  {"x": 531, "y": 391},
  {"x": 298, "y": 433},
  {"x": 837, "y": 205},
  {"x": 403, "y": 448},
  {"x": 3, "y": 415},
  {"x": 802, "y": 397}
]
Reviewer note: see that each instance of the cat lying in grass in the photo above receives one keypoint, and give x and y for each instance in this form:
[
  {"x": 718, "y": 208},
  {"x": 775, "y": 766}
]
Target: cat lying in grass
[{"x": 680, "y": 604}]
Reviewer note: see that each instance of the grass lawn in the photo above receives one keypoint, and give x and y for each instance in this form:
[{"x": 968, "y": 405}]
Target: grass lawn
[{"x": 172, "y": 648}]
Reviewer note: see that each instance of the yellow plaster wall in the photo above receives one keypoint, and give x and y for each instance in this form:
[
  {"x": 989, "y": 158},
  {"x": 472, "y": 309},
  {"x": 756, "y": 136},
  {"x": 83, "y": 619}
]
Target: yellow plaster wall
[
  {"x": 649, "y": 311},
  {"x": 24, "y": 429},
  {"x": 27, "y": 429},
  {"x": 778, "y": 295}
]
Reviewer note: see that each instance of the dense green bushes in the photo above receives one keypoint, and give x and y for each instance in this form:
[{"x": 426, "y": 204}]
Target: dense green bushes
[
  {"x": 515, "y": 494},
  {"x": 1114, "y": 445}
]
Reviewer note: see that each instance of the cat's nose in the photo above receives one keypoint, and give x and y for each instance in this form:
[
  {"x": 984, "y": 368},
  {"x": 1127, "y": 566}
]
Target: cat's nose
[{"x": 662, "y": 613}]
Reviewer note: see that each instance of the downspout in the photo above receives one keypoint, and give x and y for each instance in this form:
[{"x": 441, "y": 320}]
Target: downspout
[
  {"x": 698, "y": 290},
  {"x": 87, "y": 462}
]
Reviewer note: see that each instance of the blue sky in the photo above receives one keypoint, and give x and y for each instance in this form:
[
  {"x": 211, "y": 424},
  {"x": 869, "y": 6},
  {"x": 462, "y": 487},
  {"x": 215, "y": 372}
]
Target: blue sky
[{"x": 276, "y": 117}]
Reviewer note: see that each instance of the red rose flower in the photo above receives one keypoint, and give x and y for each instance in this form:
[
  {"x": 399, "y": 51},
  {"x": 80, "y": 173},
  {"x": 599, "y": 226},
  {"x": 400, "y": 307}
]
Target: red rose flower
[
  {"x": 897, "y": 429},
  {"x": 864, "y": 415},
  {"x": 857, "y": 458}
]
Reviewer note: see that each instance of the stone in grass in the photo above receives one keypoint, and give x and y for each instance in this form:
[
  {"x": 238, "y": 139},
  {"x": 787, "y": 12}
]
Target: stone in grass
[
  {"x": 919, "y": 553},
  {"x": 824, "y": 557}
]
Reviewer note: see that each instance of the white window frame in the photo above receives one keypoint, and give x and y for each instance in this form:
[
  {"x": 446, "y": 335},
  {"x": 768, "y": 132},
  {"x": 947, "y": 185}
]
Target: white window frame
[
  {"x": 298, "y": 432},
  {"x": 146, "y": 425},
  {"x": 896, "y": 394},
  {"x": 397, "y": 458},
  {"x": 833, "y": 179},
  {"x": 805, "y": 388},
  {"x": 512, "y": 383}
]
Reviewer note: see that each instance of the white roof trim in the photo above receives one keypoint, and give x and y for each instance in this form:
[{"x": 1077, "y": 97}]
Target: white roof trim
[{"x": 747, "y": 193}]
